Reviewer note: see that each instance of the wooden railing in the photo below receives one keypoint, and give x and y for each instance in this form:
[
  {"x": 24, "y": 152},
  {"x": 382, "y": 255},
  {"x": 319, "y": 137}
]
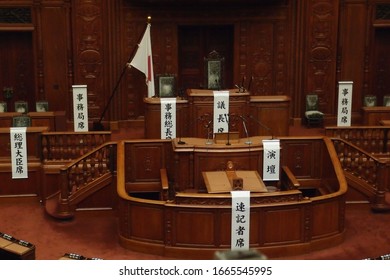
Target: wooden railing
[
  {"x": 82, "y": 177},
  {"x": 372, "y": 139},
  {"x": 365, "y": 172},
  {"x": 66, "y": 146}
]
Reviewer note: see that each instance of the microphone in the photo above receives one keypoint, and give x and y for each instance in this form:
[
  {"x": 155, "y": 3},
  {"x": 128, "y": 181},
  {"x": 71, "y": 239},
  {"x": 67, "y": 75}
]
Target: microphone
[
  {"x": 208, "y": 142},
  {"x": 263, "y": 126},
  {"x": 248, "y": 142},
  {"x": 228, "y": 132}
]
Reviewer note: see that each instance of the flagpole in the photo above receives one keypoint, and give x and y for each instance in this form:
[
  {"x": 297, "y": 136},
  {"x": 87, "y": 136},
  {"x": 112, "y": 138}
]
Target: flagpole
[{"x": 98, "y": 126}]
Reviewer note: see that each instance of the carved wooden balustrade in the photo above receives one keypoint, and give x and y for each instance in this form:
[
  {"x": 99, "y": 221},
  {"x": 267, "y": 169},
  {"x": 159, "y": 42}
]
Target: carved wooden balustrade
[
  {"x": 85, "y": 175},
  {"x": 372, "y": 139},
  {"x": 66, "y": 146},
  {"x": 366, "y": 172}
]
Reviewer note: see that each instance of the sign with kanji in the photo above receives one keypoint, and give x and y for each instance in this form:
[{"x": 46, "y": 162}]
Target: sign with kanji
[
  {"x": 240, "y": 220},
  {"x": 168, "y": 118},
  {"x": 80, "y": 108},
  {"x": 221, "y": 111},
  {"x": 344, "y": 104},
  {"x": 19, "y": 152},
  {"x": 271, "y": 160}
]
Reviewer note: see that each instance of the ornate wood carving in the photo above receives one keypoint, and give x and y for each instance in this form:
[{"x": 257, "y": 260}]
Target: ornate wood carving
[
  {"x": 322, "y": 19},
  {"x": 88, "y": 59}
]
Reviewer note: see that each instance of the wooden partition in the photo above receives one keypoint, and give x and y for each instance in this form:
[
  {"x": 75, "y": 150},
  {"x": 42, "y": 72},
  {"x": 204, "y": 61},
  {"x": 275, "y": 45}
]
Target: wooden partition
[
  {"x": 30, "y": 185},
  {"x": 194, "y": 224},
  {"x": 269, "y": 115}
]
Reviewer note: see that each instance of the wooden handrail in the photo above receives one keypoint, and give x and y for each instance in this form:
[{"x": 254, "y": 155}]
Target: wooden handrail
[
  {"x": 370, "y": 170},
  {"x": 372, "y": 139},
  {"x": 60, "y": 147},
  {"x": 90, "y": 172},
  {"x": 288, "y": 179}
]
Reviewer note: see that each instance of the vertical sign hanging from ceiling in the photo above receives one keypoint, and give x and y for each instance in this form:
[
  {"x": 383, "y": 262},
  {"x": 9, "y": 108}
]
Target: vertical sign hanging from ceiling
[
  {"x": 271, "y": 160},
  {"x": 240, "y": 220},
  {"x": 221, "y": 111},
  {"x": 168, "y": 118},
  {"x": 80, "y": 108},
  {"x": 344, "y": 104},
  {"x": 19, "y": 152}
]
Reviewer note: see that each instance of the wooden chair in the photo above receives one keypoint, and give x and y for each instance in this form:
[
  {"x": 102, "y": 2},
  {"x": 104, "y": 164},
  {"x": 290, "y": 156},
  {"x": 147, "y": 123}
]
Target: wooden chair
[
  {"x": 21, "y": 107},
  {"x": 386, "y": 100},
  {"x": 369, "y": 101},
  {"x": 312, "y": 114},
  {"x": 21, "y": 121},
  {"x": 3, "y": 107}
]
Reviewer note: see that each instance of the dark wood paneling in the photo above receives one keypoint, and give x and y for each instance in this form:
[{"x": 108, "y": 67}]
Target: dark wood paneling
[
  {"x": 195, "y": 43},
  {"x": 290, "y": 48},
  {"x": 321, "y": 27},
  {"x": 53, "y": 59},
  {"x": 381, "y": 65},
  {"x": 17, "y": 67},
  {"x": 284, "y": 226},
  {"x": 353, "y": 49}
]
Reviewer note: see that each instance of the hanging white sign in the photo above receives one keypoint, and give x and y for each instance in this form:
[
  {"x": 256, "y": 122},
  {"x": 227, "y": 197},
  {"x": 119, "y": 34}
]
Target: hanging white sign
[
  {"x": 344, "y": 104},
  {"x": 168, "y": 118},
  {"x": 271, "y": 160},
  {"x": 240, "y": 220},
  {"x": 80, "y": 108},
  {"x": 19, "y": 152},
  {"x": 221, "y": 111}
]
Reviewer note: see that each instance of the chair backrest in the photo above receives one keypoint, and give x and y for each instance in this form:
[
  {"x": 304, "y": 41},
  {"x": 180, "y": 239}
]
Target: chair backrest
[
  {"x": 21, "y": 107},
  {"x": 311, "y": 102},
  {"x": 3, "y": 107},
  {"x": 42, "y": 106},
  {"x": 386, "y": 100},
  {"x": 21, "y": 121},
  {"x": 369, "y": 100}
]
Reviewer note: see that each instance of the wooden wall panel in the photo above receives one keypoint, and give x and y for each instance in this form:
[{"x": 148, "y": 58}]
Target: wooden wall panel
[
  {"x": 290, "y": 47},
  {"x": 320, "y": 52},
  {"x": 186, "y": 222},
  {"x": 284, "y": 226},
  {"x": 53, "y": 59},
  {"x": 296, "y": 156},
  {"x": 325, "y": 222},
  {"x": 353, "y": 40},
  {"x": 153, "y": 230}
]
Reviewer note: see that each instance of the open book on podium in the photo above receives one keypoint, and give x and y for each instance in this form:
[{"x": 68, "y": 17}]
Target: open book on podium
[{"x": 221, "y": 181}]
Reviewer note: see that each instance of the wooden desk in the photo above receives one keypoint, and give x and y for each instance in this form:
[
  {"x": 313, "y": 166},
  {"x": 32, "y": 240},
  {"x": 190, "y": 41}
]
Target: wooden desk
[
  {"x": 271, "y": 111},
  {"x": 385, "y": 122},
  {"x": 53, "y": 120},
  {"x": 153, "y": 117},
  {"x": 373, "y": 115},
  {"x": 200, "y": 157},
  {"x": 264, "y": 115},
  {"x": 201, "y": 109}
]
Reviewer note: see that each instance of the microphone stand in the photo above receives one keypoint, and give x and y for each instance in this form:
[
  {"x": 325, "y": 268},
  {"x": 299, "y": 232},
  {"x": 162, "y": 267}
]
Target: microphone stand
[
  {"x": 208, "y": 142},
  {"x": 98, "y": 126},
  {"x": 248, "y": 141},
  {"x": 228, "y": 132}
]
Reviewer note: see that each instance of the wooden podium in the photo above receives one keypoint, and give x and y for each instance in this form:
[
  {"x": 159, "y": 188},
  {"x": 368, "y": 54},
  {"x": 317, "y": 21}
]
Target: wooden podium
[{"x": 221, "y": 181}]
